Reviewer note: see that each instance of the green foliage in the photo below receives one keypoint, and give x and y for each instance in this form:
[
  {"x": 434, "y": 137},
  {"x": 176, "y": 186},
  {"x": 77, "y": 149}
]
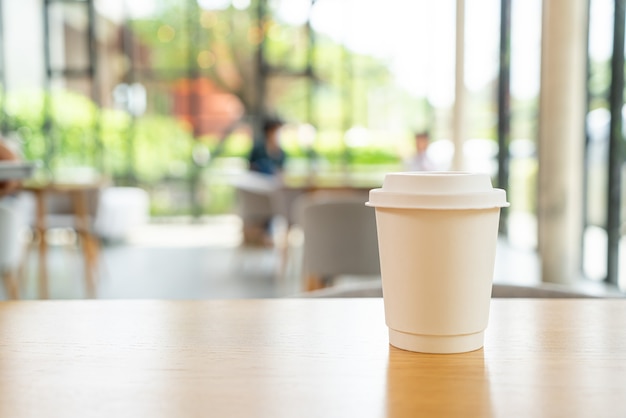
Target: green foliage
[
  {"x": 69, "y": 137},
  {"x": 224, "y": 47},
  {"x": 162, "y": 148},
  {"x": 166, "y": 37},
  {"x": 153, "y": 147},
  {"x": 237, "y": 144},
  {"x": 599, "y": 83},
  {"x": 344, "y": 89},
  {"x": 24, "y": 117},
  {"x": 373, "y": 156},
  {"x": 286, "y": 46},
  {"x": 116, "y": 130}
]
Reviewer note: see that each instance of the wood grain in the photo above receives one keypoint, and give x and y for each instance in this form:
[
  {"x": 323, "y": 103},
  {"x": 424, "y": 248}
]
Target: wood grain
[{"x": 303, "y": 358}]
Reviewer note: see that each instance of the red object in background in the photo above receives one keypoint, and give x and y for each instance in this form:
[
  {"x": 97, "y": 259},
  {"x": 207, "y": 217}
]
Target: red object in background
[{"x": 209, "y": 110}]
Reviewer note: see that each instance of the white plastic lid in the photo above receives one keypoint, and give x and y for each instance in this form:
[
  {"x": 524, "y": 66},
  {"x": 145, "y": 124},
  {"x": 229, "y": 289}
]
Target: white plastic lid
[{"x": 437, "y": 190}]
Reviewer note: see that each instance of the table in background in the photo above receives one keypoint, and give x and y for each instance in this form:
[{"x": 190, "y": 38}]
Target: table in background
[
  {"x": 282, "y": 192},
  {"x": 304, "y": 358},
  {"x": 261, "y": 198},
  {"x": 78, "y": 193}
]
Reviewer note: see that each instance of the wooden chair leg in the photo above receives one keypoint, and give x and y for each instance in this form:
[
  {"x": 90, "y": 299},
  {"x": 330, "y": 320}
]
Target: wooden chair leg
[
  {"x": 22, "y": 270},
  {"x": 94, "y": 256},
  {"x": 282, "y": 252},
  {"x": 11, "y": 285},
  {"x": 90, "y": 257},
  {"x": 40, "y": 227},
  {"x": 87, "y": 241},
  {"x": 314, "y": 282}
]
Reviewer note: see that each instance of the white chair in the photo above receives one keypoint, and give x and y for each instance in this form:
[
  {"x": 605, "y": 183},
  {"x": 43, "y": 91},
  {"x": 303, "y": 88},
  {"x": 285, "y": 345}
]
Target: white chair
[
  {"x": 339, "y": 237},
  {"x": 10, "y": 248},
  {"x": 256, "y": 212},
  {"x": 254, "y": 195},
  {"x": 120, "y": 211}
]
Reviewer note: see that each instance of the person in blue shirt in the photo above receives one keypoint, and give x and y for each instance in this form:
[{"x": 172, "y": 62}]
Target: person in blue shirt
[{"x": 266, "y": 156}]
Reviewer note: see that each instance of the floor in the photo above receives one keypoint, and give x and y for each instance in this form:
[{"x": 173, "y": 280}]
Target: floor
[
  {"x": 178, "y": 260},
  {"x": 205, "y": 260}
]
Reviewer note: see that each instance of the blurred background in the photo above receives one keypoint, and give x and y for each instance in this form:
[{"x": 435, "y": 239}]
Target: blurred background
[{"x": 166, "y": 96}]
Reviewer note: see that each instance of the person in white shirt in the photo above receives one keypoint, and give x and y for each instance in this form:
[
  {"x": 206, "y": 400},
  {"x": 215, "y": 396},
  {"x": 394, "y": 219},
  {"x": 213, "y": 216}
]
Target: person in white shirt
[{"x": 420, "y": 160}]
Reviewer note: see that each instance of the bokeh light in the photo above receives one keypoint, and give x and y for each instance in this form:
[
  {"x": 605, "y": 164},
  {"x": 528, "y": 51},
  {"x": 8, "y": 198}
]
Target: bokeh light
[
  {"x": 166, "y": 33},
  {"x": 206, "y": 59}
]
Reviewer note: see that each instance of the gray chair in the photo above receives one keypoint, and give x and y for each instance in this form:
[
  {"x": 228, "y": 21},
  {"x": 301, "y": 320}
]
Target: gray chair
[
  {"x": 254, "y": 194},
  {"x": 255, "y": 211},
  {"x": 499, "y": 290},
  {"x": 339, "y": 237},
  {"x": 120, "y": 211}
]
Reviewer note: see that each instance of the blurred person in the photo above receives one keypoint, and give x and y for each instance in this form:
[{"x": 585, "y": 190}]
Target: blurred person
[
  {"x": 256, "y": 192},
  {"x": 11, "y": 220},
  {"x": 8, "y": 187},
  {"x": 420, "y": 161},
  {"x": 11, "y": 196},
  {"x": 266, "y": 156}
]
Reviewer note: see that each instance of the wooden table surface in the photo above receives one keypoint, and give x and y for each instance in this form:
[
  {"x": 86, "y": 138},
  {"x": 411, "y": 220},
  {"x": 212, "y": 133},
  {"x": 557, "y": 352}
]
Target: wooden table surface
[{"x": 304, "y": 358}]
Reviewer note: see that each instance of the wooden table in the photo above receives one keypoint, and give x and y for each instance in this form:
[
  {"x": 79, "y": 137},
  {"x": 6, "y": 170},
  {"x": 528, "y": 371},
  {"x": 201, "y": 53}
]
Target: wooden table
[
  {"x": 79, "y": 195},
  {"x": 304, "y": 358}
]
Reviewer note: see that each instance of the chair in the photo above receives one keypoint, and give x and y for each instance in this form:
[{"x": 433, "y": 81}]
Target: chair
[
  {"x": 254, "y": 205},
  {"x": 339, "y": 237},
  {"x": 120, "y": 210},
  {"x": 499, "y": 290},
  {"x": 69, "y": 206},
  {"x": 10, "y": 247},
  {"x": 255, "y": 211}
]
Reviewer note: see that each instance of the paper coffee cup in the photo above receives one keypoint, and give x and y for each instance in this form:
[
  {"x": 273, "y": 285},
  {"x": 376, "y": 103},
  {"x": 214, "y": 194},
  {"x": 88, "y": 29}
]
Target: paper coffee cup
[{"x": 437, "y": 235}]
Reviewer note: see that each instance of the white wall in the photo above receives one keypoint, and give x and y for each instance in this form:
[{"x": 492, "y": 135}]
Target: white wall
[{"x": 23, "y": 32}]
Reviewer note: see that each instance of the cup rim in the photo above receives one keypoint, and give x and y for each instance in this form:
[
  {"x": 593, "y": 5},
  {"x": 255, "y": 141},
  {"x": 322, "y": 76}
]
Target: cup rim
[{"x": 437, "y": 190}]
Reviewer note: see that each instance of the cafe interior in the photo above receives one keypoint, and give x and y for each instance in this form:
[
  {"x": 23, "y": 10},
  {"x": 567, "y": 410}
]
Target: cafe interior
[
  {"x": 197, "y": 197},
  {"x": 137, "y": 119}
]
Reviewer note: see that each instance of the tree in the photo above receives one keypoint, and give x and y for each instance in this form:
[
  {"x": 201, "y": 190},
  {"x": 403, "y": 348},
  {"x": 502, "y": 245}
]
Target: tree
[{"x": 268, "y": 65}]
